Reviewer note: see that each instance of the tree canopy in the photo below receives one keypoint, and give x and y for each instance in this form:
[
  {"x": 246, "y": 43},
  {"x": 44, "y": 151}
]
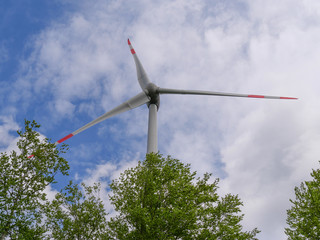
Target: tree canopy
[
  {"x": 26, "y": 213},
  {"x": 303, "y": 217},
  {"x": 161, "y": 198},
  {"x": 77, "y": 214},
  {"x": 23, "y": 180}
]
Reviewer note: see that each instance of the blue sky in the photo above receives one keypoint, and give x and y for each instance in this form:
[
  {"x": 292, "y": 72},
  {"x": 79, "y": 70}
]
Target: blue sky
[{"x": 64, "y": 64}]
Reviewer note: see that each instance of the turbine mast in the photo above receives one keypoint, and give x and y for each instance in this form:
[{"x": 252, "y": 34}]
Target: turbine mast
[{"x": 152, "y": 146}]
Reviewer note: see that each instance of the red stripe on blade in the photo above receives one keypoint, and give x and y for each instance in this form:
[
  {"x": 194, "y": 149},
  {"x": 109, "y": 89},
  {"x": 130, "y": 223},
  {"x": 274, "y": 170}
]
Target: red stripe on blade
[
  {"x": 31, "y": 156},
  {"x": 65, "y": 138},
  {"x": 256, "y": 96},
  {"x": 288, "y": 98},
  {"x": 132, "y": 51}
]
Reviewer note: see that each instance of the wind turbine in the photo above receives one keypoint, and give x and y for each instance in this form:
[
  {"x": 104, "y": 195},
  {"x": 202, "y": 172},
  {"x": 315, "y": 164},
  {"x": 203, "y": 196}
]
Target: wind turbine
[{"x": 150, "y": 95}]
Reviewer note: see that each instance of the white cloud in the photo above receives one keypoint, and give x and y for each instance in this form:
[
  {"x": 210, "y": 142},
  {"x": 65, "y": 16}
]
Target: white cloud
[
  {"x": 106, "y": 172},
  {"x": 51, "y": 193},
  {"x": 63, "y": 107},
  {"x": 7, "y": 127}
]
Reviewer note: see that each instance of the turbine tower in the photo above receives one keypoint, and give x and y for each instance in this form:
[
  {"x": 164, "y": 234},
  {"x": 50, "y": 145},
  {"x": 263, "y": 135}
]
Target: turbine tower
[{"x": 150, "y": 95}]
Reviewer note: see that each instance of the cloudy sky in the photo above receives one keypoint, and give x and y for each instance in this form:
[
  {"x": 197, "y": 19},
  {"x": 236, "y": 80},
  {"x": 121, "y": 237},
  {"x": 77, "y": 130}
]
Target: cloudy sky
[{"x": 64, "y": 63}]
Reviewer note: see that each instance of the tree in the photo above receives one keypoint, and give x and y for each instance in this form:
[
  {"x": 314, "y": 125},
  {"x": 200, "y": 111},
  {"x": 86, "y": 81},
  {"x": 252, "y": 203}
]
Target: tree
[
  {"x": 161, "y": 199},
  {"x": 76, "y": 215},
  {"x": 22, "y": 183},
  {"x": 303, "y": 217}
]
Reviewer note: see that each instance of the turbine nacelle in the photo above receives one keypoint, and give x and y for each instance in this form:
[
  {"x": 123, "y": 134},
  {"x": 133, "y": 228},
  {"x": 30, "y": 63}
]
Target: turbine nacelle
[{"x": 152, "y": 92}]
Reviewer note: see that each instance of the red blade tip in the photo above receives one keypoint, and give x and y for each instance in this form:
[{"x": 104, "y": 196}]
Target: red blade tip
[
  {"x": 129, "y": 43},
  {"x": 65, "y": 138}
]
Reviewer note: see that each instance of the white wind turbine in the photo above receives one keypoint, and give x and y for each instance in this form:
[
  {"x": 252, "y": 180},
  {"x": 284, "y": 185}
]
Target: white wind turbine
[{"x": 151, "y": 96}]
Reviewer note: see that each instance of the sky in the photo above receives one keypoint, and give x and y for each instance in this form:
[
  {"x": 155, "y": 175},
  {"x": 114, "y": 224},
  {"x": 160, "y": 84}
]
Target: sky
[{"x": 64, "y": 63}]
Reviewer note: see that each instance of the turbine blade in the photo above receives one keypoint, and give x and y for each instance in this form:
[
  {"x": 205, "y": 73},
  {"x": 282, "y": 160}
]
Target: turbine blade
[
  {"x": 132, "y": 103},
  {"x": 141, "y": 73},
  {"x": 199, "y": 92}
]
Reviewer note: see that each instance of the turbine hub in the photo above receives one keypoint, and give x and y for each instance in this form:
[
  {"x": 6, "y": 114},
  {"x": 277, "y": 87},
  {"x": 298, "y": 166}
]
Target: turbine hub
[{"x": 152, "y": 91}]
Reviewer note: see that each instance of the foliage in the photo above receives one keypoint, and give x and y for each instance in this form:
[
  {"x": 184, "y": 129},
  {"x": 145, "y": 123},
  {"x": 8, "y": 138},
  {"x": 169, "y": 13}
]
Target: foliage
[
  {"x": 161, "y": 199},
  {"x": 303, "y": 217},
  {"x": 23, "y": 180},
  {"x": 77, "y": 215}
]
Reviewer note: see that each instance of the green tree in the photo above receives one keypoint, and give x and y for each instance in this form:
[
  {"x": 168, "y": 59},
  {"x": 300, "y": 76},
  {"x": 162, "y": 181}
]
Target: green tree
[
  {"x": 303, "y": 217},
  {"x": 162, "y": 199},
  {"x": 22, "y": 183},
  {"x": 76, "y": 215}
]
